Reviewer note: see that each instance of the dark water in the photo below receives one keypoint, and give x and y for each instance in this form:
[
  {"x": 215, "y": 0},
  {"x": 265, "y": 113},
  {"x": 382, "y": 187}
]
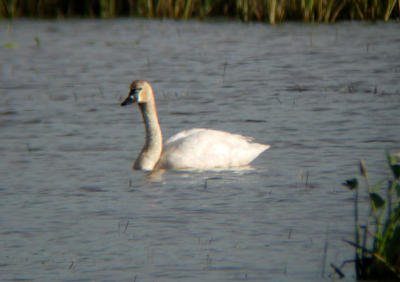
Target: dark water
[{"x": 71, "y": 208}]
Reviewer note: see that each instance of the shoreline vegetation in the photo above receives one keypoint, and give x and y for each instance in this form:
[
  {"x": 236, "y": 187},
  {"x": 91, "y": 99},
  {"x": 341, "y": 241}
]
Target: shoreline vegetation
[
  {"x": 377, "y": 255},
  {"x": 272, "y": 11}
]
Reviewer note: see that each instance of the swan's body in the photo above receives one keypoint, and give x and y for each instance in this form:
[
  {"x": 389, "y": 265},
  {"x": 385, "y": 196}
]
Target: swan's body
[{"x": 194, "y": 149}]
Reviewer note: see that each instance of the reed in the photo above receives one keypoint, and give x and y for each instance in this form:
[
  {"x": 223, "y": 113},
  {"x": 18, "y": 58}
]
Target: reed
[
  {"x": 377, "y": 242},
  {"x": 272, "y": 11}
]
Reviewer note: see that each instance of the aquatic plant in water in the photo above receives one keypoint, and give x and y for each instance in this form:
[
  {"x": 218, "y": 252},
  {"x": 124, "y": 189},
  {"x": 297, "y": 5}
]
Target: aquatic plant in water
[
  {"x": 377, "y": 243},
  {"x": 10, "y": 45}
]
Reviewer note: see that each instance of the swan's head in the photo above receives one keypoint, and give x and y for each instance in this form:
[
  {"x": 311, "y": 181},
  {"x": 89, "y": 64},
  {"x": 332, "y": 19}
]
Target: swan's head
[{"x": 140, "y": 92}]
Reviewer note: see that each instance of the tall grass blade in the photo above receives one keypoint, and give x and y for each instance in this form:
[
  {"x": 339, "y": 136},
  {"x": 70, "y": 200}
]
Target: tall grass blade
[
  {"x": 389, "y": 9},
  {"x": 188, "y": 9},
  {"x": 272, "y": 11}
]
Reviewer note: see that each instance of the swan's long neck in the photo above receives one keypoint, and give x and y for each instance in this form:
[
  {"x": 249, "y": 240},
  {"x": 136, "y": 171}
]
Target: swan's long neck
[{"x": 152, "y": 148}]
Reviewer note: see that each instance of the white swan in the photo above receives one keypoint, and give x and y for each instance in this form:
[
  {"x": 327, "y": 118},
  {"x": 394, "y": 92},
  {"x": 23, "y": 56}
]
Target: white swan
[{"x": 194, "y": 149}]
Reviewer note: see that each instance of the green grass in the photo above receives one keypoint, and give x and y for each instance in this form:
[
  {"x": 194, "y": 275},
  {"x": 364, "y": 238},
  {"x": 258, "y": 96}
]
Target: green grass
[
  {"x": 377, "y": 242},
  {"x": 272, "y": 11}
]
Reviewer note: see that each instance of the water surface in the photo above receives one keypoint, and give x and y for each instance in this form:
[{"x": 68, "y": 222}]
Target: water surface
[{"x": 323, "y": 96}]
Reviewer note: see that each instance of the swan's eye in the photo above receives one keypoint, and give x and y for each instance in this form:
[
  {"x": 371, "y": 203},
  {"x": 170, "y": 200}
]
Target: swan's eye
[
  {"x": 133, "y": 97},
  {"x": 135, "y": 94}
]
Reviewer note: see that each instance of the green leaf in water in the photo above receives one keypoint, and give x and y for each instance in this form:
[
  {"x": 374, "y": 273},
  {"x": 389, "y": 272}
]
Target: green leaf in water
[
  {"x": 37, "y": 40},
  {"x": 11, "y": 45},
  {"x": 398, "y": 190},
  {"x": 363, "y": 169},
  {"x": 394, "y": 163},
  {"x": 378, "y": 186},
  {"x": 351, "y": 183},
  {"x": 396, "y": 170},
  {"x": 376, "y": 200}
]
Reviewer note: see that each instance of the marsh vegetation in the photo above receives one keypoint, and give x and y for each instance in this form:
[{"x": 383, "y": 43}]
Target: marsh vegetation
[
  {"x": 377, "y": 240},
  {"x": 272, "y": 11},
  {"x": 322, "y": 95}
]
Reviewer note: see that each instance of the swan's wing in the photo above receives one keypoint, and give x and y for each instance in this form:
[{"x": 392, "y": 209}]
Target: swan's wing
[
  {"x": 206, "y": 149},
  {"x": 184, "y": 134},
  {"x": 210, "y": 133}
]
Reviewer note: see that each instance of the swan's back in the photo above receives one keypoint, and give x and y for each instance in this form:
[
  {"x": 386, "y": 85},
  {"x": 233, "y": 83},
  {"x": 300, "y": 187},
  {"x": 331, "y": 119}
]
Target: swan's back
[{"x": 203, "y": 149}]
